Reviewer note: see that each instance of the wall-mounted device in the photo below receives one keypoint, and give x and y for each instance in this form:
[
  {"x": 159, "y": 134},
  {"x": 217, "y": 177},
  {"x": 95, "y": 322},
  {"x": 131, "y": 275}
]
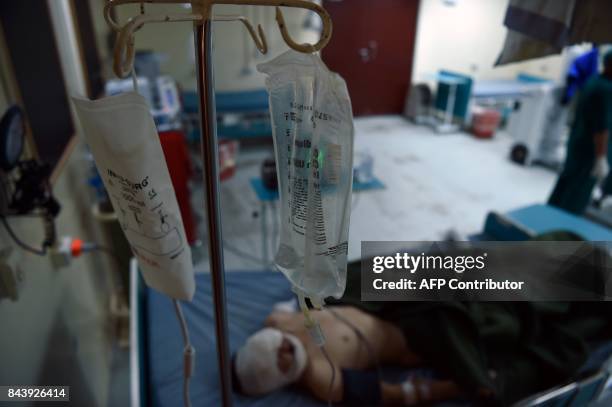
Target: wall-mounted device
[
  {"x": 12, "y": 132},
  {"x": 25, "y": 183}
]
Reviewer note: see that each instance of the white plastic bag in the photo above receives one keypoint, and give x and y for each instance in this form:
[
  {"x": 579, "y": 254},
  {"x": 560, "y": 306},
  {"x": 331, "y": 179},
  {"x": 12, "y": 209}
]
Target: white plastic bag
[
  {"x": 312, "y": 125},
  {"x": 125, "y": 145}
]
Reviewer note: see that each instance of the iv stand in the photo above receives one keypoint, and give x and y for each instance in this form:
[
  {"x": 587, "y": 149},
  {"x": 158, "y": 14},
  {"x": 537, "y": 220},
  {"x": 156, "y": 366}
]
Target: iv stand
[
  {"x": 210, "y": 157},
  {"x": 202, "y": 19}
]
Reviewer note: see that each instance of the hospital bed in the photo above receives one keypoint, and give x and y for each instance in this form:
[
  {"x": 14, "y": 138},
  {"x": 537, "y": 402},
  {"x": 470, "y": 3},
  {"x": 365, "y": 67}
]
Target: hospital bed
[
  {"x": 156, "y": 344},
  {"x": 240, "y": 114},
  {"x": 533, "y": 220},
  {"x": 157, "y": 348},
  {"x": 586, "y": 392},
  {"x": 506, "y": 89},
  {"x": 536, "y": 120}
]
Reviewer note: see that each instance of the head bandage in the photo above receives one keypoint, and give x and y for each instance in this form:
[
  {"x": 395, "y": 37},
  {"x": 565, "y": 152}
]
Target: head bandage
[{"x": 257, "y": 362}]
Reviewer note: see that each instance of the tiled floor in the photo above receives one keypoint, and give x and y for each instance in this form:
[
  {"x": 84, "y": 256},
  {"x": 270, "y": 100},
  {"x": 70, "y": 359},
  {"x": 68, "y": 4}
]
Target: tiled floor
[{"x": 434, "y": 184}]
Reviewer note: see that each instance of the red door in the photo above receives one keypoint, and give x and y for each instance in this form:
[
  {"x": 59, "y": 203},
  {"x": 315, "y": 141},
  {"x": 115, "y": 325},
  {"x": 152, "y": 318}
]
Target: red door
[{"x": 372, "y": 48}]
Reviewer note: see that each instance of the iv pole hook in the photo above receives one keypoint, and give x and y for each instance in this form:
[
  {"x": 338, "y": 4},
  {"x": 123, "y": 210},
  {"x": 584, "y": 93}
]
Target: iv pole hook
[
  {"x": 203, "y": 8},
  {"x": 124, "y": 51},
  {"x": 260, "y": 41}
]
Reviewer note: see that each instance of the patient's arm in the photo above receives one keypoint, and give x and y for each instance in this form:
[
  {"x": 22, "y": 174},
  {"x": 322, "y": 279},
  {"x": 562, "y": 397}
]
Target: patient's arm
[
  {"x": 430, "y": 391},
  {"x": 317, "y": 377}
]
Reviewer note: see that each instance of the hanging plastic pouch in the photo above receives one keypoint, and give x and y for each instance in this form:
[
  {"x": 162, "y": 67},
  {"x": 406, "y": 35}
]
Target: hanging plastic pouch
[
  {"x": 312, "y": 126},
  {"x": 125, "y": 145}
]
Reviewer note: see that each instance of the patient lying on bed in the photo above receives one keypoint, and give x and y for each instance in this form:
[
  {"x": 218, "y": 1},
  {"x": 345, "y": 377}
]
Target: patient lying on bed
[{"x": 357, "y": 343}]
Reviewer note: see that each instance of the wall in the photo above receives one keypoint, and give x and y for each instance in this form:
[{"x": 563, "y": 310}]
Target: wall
[
  {"x": 468, "y": 38},
  {"x": 58, "y": 331},
  {"x": 234, "y": 68}
]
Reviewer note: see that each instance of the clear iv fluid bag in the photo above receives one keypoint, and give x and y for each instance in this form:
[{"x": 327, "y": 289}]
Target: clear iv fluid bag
[
  {"x": 312, "y": 125},
  {"x": 123, "y": 140}
]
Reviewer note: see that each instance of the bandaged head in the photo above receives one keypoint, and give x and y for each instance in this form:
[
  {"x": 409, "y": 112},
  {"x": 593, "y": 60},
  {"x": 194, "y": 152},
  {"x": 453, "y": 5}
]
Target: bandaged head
[{"x": 256, "y": 364}]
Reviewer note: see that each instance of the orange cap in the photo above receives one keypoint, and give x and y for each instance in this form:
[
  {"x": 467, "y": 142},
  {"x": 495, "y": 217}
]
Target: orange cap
[{"x": 76, "y": 247}]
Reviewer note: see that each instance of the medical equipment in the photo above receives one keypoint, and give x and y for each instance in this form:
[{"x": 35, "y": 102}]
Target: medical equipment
[
  {"x": 240, "y": 114},
  {"x": 161, "y": 94},
  {"x": 316, "y": 334},
  {"x": 25, "y": 189},
  {"x": 452, "y": 97},
  {"x": 537, "y": 121},
  {"x": 12, "y": 132},
  {"x": 451, "y": 102},
  {"x": 363, "y": 169},
  {"x": 538, "y": 124},
  {"x": 124, "y": 143},
  {"x": 312, "y": 125},
  {"x": 202, "y": 18},
  {"x": 123, "y": 140},
  {"x": 118, "y": 86}
]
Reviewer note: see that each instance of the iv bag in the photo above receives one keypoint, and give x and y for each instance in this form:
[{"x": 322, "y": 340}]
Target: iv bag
[
  {"x": 125, "y": 145},
  {"x": 312, "y": 125}
]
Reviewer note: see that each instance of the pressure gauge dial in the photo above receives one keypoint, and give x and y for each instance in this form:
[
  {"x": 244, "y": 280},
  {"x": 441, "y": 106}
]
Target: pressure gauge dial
[{"x": 12, "y": 133}]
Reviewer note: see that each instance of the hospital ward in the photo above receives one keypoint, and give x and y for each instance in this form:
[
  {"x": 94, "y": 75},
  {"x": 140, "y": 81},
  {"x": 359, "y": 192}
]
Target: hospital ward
[{"x": 306, "y": 203}]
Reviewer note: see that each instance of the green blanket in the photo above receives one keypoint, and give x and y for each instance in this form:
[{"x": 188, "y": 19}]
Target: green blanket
[{"x": 530, "y": 346}]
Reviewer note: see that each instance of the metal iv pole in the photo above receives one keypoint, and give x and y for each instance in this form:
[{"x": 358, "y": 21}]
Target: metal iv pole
[
  {"x": 202, "y": 19},
  {"x": 210, "y": 158}
]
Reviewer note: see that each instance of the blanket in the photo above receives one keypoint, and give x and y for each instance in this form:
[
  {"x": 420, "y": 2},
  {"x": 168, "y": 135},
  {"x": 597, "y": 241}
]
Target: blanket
[{"x": 512, "y": 348}]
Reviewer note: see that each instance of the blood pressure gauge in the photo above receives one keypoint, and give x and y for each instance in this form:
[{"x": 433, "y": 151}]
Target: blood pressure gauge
[{"x": 12, "y": 132}]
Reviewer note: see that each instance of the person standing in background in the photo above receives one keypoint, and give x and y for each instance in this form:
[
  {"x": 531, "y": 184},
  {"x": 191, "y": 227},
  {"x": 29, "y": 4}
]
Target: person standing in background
[{"x": 587, "y": 150}]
